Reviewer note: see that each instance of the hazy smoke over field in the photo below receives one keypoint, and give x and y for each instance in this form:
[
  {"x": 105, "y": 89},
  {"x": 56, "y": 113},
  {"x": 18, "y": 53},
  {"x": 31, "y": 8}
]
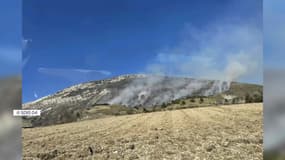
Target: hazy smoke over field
[{"x": 228, "y": 53}]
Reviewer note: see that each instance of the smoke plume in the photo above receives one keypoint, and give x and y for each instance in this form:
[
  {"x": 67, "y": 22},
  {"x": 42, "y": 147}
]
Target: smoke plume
[
  {"x": 224, "y": 54},
  {"x": 228, "y": 53}
]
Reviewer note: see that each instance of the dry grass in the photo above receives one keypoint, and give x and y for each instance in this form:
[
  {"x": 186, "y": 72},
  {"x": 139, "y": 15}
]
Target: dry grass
[{"x": 226, "y": 132}]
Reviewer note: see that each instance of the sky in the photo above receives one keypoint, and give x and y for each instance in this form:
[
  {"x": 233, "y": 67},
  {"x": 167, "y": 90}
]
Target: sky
[
  {"x": 10, "y": 38},
  {"x": 70, "y": 41}
]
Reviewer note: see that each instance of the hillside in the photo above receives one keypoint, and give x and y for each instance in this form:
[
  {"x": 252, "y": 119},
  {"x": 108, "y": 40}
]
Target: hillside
[{"x": 136, "y": 94}]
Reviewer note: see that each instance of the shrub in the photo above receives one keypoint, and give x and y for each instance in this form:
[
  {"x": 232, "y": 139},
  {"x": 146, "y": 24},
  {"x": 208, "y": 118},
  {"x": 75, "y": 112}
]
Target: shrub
[
  {"x": 176, "y": 101},
  {"x": 257, "y": 97},
  {"x": 201, "y": 100},
  {"x": 235, "y": 100},
  {"x": 130, "y": 111},
  {"x": 163, "y": 105},
  {"x": 248, "y": 98},
  {"x": 78, "y": 115}
]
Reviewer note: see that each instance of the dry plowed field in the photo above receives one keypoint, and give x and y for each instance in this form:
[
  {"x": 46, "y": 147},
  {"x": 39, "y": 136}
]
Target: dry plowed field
[{"x": 225, "y": 132}]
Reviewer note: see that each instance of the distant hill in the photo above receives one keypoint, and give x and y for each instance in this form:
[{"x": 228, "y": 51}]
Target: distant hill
[{"x": 129, "y": 94}]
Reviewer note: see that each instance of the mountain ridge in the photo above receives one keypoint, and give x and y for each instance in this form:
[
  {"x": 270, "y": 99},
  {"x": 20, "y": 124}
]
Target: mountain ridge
[{"x": 136, "y": 93}]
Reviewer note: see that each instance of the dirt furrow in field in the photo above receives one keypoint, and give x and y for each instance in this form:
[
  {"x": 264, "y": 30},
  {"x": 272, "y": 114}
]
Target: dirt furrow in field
[
  {"x": 108, "y": 143},
  {"x": 76, "y": 135},
  {"x": 225, "y": 135},
  {"x": 226, "y": 132},
  {"x": 84, "y": 126},
  {"x": 160, "y": 135}
]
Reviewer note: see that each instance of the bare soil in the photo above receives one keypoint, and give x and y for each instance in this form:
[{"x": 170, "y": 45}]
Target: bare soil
[{"x": 215, "y": 133}]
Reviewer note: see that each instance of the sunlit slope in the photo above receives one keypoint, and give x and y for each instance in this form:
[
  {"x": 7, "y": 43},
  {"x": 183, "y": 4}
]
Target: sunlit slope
[{"x": 131, "y": 94}]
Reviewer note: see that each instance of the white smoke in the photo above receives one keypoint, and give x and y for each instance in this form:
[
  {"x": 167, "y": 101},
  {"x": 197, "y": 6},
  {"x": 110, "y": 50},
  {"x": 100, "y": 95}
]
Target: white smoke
[
  {"x": 228, "y": 53},
  {"x": 225, "y": 54},
  {"x": 156, "y": 89},
  {"x": 141, "y": 87}
]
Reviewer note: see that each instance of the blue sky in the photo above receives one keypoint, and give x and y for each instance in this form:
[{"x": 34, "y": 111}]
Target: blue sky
[
  {"x": 70, "y": 41},
  {"x": 10, "y": 37}
]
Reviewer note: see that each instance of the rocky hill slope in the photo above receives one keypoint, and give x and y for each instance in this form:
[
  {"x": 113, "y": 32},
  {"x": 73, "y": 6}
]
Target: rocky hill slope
[{"x": 129, "y": 92}]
